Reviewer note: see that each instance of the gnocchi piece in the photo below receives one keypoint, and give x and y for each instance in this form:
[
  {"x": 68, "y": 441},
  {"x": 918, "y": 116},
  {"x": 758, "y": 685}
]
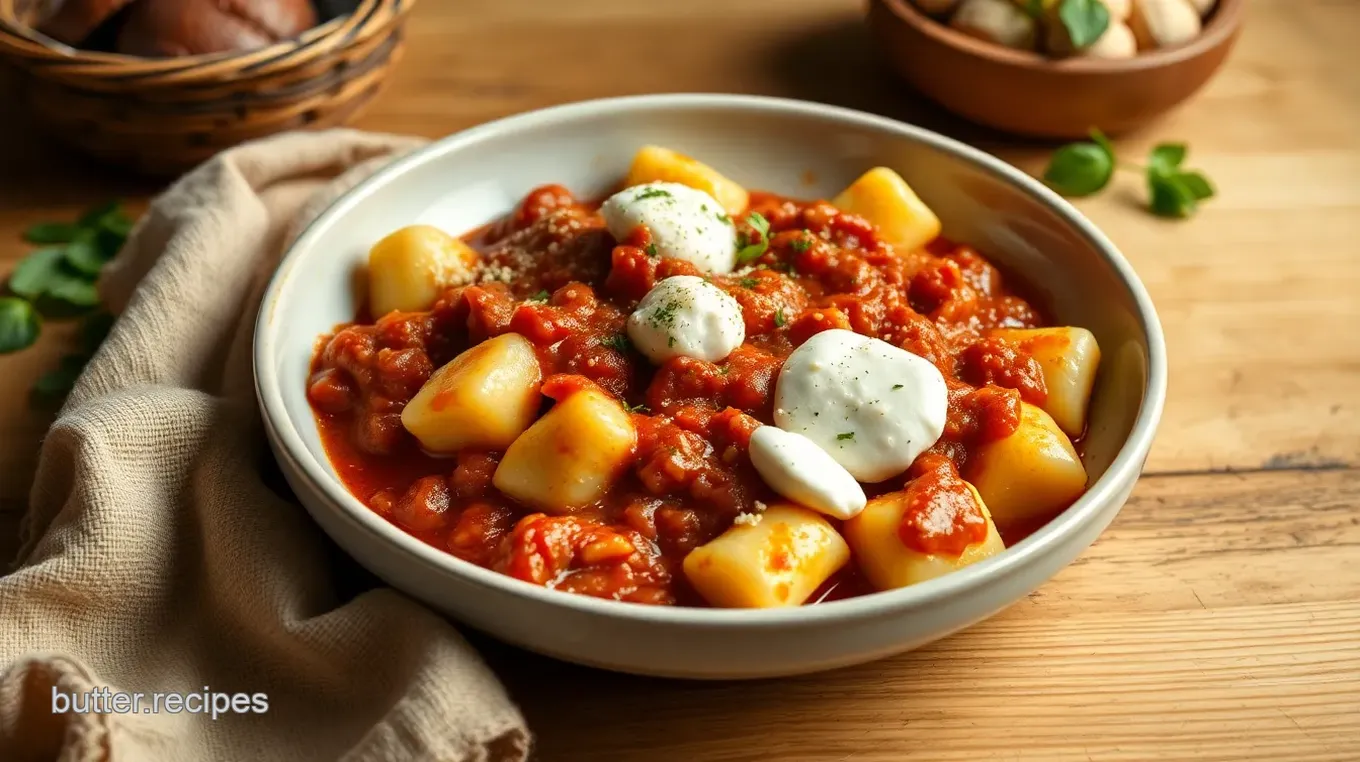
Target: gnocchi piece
[
  {"x": 1163, "y": 23},
  {"x": 779, "y": 561},
  {"x": 1029, "y": 475},
  {"x": 882, "y": 197},
  {"x": 571, "y": 455},
  {"x": 888, "y": 563},
  {"x": 1000, "y": 21},
  {"x": 484, "y": 398},
  {"x": 654, "y": 164},
  {"x": 1069, "y": 358},
  {"x": 408, "y": 269}
]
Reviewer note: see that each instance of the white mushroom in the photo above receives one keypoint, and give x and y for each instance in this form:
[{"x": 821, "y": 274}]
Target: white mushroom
[
  {"x": 1117, "y": 42},
  {"x": 1163, "y": 23},
  {"x": 1058, "y": 42},
  {"x": 999, "y": 21},
  {"x": 1205, "y": 7},
  {"x": 1120, "y": 9}
]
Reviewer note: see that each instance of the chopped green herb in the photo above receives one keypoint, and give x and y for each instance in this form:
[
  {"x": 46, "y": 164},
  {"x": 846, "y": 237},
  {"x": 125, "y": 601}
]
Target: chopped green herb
[
  {"x": 651, "y": 250},
  {"x": 640, "y": 408},
  {"x": 619, "y": 343},
  {"x": 779, "y": 320},
  {"x": 541, "y": 296},
  {"x": 724, "y": 370},
  {"x": 748, "y": 282},
  {"x": 664, "y": 315},
  {"x": 652, "y": 193},
  {"x": 801, "y": 245},
  {"x": 845, "y": 436},
  {"x": 896, "y": 387},
  {"x": 748, "y": 250},
  {"x": 724, "y": 219}
]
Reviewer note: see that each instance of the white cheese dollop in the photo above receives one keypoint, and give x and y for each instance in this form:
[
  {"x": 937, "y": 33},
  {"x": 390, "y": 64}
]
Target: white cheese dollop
[
  {"x": 872, "y": 406},
  {"x": 685, "y": 223},
  {"x": 795, "y": 467},
  {"x": 686, "y": 316}
]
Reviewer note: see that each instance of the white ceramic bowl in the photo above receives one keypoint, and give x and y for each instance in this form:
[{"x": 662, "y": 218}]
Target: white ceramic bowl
[{"x": 799, "y": 149}]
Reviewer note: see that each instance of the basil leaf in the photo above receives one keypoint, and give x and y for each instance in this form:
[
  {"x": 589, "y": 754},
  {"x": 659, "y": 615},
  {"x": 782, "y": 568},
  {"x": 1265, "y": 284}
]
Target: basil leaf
[
  {"x": 95, "y": 217},
  {"x": 1198, "y": 185},
  {"x": 19, "y": 324},
  {"x": 1080, "y": 169},
  {"x": 84, "y": 256},
  {"x": 1170, "y": 196},
  {"x": 118, "y": 224},
  {"x": 1085, "y": 20},
  {"x": 34, "y": 275},
  {"x": 51, "y": 232},
  {"x": 73, "y": 290},
  {"x": 1166, "y": 158},
  {"x": 1100, "y": 139}
]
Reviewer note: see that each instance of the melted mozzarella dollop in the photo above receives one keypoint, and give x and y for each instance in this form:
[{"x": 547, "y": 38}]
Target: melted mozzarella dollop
[
  {"x": 871, "y": 406},
  {"x": 685, "y": 223},
  {"x": 686, "y": 316},
  {"x": 796, "y": 468}
]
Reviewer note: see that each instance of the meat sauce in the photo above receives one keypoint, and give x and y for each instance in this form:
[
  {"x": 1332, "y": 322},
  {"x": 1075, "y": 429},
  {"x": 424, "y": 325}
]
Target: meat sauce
[{"x": 553, "y": 274}]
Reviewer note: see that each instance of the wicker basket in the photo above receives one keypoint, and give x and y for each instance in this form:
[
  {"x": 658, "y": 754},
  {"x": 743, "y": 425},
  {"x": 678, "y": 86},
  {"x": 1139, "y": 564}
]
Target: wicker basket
[{"x": 162, "y": 116}]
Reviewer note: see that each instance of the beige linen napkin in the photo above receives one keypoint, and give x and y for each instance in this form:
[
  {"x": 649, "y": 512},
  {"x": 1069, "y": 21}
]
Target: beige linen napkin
[{"x": 158, "y": 560}]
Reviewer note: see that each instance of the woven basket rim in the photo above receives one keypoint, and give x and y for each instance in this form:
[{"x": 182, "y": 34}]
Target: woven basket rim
[{"x": 54, "y": 51}]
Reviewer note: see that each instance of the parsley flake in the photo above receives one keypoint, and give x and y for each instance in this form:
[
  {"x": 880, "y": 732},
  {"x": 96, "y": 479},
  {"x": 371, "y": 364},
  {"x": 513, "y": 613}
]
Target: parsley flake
[
  {"x": 801, "y": 245},
  {"x": 652, "y": 193},
  {"x": 897, "y": 386},
  {"x": 541, "y": 296},
  {"x": 845, "y": 436},
  {"x": 749, "y": 282},
  {"x": 651, "y": 250},
  {"x": 618, "y": 342},
  {"x": 779, "y": 319}
]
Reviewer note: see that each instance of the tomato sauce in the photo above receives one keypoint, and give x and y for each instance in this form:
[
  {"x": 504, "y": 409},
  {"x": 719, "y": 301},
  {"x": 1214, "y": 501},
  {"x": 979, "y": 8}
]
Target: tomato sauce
[{"x": 553, "y": 274}]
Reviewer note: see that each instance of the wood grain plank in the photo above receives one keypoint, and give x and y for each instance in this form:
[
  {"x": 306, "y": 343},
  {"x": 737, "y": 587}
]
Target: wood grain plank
[{"x": 1215, "y": 620}]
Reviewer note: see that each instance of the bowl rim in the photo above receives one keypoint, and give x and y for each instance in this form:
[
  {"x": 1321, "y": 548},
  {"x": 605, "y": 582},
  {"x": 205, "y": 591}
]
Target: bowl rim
[
  {"x": 1122, "y": 471},
  {"x": 1224, "y": 21}
]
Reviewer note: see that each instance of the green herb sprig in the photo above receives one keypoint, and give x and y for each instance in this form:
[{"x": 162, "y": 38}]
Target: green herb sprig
[
  {"x": 748, "y": 250},
  {"x": 57, "y": 280},
  {"x": 1085, "y": 168}
]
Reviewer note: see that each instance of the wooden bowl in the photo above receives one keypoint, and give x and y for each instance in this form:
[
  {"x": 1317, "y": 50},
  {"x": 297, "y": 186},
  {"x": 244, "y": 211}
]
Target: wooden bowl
[
  {"x": 1026, "y": 93},
  {"x": 161, "y": 116}
]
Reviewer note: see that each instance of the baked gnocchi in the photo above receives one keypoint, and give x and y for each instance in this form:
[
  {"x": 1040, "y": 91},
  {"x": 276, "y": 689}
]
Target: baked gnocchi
[{"x": 691, "y": 393}]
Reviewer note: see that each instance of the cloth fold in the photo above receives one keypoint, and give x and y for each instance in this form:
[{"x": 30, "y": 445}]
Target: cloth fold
[{"x": 159, "y": 559}]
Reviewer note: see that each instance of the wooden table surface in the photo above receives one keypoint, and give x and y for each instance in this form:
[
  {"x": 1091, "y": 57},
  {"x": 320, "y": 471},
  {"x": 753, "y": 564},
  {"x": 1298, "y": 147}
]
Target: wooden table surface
[{"x": 1218, "y": 618}]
